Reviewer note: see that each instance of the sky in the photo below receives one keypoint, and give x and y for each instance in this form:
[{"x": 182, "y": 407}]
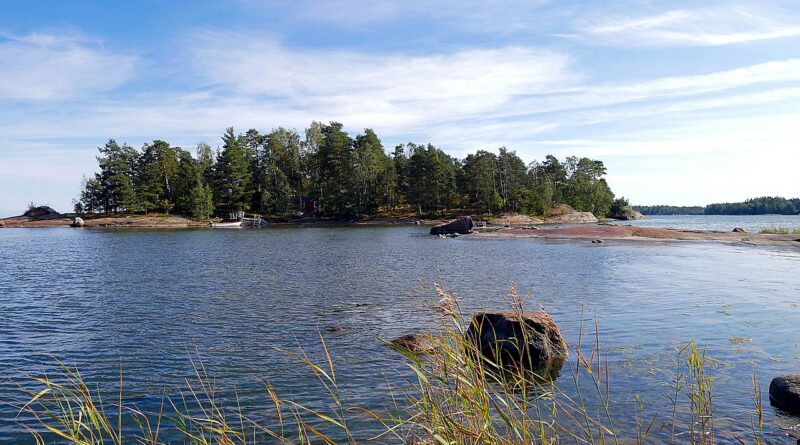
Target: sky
[{"x": 686, "y": 102}]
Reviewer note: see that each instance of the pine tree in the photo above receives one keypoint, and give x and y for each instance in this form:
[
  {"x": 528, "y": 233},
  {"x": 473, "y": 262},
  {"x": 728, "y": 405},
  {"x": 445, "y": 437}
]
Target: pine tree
[{"x": 232, "y": 175}]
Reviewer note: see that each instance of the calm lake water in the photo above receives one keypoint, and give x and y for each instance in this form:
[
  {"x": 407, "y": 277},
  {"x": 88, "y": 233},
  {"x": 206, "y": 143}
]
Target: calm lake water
[
  {"x": 150, "y": 300},
  {"x": 725, "y": 223}
]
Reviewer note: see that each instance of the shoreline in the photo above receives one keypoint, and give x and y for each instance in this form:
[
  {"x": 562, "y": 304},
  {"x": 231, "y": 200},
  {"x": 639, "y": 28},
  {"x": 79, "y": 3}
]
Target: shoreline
[
  {"x": 642, "y": 234},
  {"x": 544, "y": 231}
]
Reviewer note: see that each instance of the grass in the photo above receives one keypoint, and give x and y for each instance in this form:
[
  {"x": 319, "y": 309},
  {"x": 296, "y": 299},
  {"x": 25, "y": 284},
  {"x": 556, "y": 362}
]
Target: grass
[
  {"x": 781, "y": 230},
  {"x": 456, "y": 396}
]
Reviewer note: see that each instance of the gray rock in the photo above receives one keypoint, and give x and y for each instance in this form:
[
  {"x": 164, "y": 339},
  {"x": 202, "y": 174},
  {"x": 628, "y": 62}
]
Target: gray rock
[
  {"x": 784, "y": 393},
  {"x": 518, "y": 339},
  {"x": 597, "y": 241},
  {"x": 461, "y": 226},
  {"x": 577, "y": 217}
]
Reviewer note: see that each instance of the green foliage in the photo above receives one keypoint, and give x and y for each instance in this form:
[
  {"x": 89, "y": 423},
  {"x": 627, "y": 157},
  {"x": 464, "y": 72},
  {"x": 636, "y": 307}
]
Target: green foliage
[
  {"x": 202, "y": 201},
  {"x": 278, "y": 174},
  {"x": 232, "y": 179},
  {"x": 757, "y": 206},
  {"x": 431, "y": 176},
  {"x": 669, "y": 210},
  {"x": 157, "y": 169},
  {"x": 621, "y": 209},
  {"x": 781, "y": 230}
]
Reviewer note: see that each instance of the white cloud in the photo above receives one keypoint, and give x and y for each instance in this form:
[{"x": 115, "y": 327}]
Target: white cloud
[
  {"x": 710, "y": 26},
  {"x": 51, "y": 67}
]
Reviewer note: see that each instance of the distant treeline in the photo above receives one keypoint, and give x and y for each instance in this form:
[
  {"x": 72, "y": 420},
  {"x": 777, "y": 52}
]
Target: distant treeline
[
  {"x": 330, "y": 173},
  {"x": 765, "y": 205},
  {"x": 670, "y": 210},
  {"x": 757, "y": 206}
]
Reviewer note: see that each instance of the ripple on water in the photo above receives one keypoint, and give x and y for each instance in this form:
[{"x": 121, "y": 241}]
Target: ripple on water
[{"x": 150, "y": 299}]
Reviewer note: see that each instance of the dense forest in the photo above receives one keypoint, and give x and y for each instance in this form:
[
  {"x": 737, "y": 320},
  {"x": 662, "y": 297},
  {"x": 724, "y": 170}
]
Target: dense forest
[
  {"x": 328, "y": 172},
  {"x": 670, "y": 210},
  {"x": 766, "y": 205}
]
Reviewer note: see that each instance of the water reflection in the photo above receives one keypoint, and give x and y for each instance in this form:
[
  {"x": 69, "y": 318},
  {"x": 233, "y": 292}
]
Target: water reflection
[{"x": 150, "y": 299}]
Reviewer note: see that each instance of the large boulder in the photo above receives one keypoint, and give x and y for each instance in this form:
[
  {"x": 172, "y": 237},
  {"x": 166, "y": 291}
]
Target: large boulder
[
  {"x": 462, "y": 226},
  {"x": 77, "y": 222},
  {"x": 564, "y": 214},
  {"x": 577, "y": 217},
  {"x": 529, "y": 340},
  {"x": 784, "y": 393}
]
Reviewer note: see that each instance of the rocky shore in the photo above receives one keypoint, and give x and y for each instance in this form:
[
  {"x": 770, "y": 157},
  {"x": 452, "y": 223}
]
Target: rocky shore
[
  {"x": 136, "y": 221},
  {"x": 613, "y": 232}
]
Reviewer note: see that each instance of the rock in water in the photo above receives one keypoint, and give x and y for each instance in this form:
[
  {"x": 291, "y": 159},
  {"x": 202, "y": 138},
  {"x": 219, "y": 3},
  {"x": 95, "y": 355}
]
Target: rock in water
[
  {"x": 461, "y": 226},
  {"x": 784, "y": 393},
  {"x": 739, "y": 230},
  {"x": 416, "y": 343},
  {"x": 77, "y": 222},
  {"x": 527, "y": 339},
  {"x": 597, "y": 241}
]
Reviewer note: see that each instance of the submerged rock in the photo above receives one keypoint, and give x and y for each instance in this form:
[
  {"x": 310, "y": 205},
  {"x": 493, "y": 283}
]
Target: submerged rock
[
  {"x": 513, "y": 339},
  {"x": 416, "y": 343},
  {"x": 461, "y": 226},
  {"x": 784, "y": 393}
]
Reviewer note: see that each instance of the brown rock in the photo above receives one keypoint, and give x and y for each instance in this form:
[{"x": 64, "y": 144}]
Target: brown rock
[
  {"x": 527, "y": 339},
  {"x": 416, "y": 343}
]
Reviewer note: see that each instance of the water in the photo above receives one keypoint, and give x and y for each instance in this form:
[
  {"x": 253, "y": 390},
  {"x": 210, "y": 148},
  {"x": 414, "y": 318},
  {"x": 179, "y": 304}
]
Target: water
[
  {"x": 151, "y": 300},
  {"x": 724, "y": 223}
]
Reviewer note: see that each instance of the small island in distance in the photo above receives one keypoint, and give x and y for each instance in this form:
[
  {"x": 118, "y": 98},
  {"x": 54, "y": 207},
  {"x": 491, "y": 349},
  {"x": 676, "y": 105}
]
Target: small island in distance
[{"x": 765, "y": 205}]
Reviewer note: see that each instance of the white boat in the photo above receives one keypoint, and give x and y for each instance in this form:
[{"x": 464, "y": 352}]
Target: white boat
[{"x": 225, "y": 225}]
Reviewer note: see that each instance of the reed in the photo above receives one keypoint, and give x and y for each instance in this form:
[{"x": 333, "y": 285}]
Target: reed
[
  {"x": 455, "y": 396},
  {"x": 781, "y": 230}
]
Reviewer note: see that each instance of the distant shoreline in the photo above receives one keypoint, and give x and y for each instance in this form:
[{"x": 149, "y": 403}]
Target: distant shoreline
[{"x": 638, "y": 233}]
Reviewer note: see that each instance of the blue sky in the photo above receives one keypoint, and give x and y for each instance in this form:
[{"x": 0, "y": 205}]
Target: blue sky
[{"x": 685, "y": 102}]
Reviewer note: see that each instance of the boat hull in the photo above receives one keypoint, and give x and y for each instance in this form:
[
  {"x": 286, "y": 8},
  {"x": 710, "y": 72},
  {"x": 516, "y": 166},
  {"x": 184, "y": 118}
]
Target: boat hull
[{"x": 225, "y": 225}]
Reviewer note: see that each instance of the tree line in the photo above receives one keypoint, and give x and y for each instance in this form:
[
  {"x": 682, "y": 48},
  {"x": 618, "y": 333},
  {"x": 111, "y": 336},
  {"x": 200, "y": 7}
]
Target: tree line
[
  {"x": 670, "y": 210},
  {"x": 765, "y": 205},
  {"x": 773, "y": 205},
  {"x": 328, "y": 172}
]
